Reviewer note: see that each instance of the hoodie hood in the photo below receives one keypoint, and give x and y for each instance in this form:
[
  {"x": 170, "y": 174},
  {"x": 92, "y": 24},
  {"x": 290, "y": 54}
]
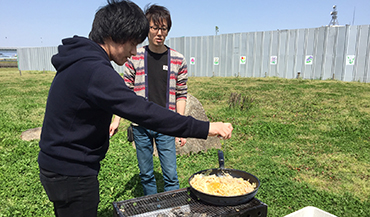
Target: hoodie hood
[{"x": 67, "y": 55}]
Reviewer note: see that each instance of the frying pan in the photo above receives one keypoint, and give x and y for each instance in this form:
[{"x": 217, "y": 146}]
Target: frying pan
[{"x": 225, "y": 200}]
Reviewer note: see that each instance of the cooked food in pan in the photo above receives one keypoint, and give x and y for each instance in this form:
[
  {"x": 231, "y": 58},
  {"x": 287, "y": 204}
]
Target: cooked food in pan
[{"x": 225, "y": 185}]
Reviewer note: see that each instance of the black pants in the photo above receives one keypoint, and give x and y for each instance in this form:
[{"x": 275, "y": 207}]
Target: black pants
[{"x": 72, "y": 196}]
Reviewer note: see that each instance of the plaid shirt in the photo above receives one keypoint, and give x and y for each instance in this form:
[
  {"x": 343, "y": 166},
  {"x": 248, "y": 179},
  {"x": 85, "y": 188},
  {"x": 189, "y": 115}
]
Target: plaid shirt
[{"x": 135, "y": 75}]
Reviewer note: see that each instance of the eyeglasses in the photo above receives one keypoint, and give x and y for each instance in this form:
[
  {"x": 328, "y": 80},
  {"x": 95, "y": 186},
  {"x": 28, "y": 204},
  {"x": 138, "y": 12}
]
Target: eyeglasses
[{"x": 156, "y": 29}]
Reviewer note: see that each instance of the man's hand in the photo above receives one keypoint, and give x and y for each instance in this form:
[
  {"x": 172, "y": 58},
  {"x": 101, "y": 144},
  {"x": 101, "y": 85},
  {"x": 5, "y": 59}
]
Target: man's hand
[
  {"x": 220, "y": 129},
  {"x": 114, "y": 126},
  {"x": 113, "y": 129},
  {"x": 182, "y": 141}
]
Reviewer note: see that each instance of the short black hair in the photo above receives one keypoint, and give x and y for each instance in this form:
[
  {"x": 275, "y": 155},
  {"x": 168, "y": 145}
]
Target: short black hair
[
  {"x": 121, "y": 21},
  {"x": 158, "y": 14}
]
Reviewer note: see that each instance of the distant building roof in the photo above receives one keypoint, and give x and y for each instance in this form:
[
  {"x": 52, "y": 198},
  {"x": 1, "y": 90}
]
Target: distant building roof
[{"x": 8, "y": 49}]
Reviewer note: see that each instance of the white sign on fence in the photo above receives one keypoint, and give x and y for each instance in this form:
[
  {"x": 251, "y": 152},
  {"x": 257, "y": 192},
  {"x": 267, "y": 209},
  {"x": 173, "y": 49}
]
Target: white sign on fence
[
  {"x": 243, "y": 60},
  {"x": 309, "y": 60},
  {"x": 216, "y": 61},
  {"x": 192, "y": 60},
  {"x": 350, "y": 60},
  {"x": 273, "y": 60}
]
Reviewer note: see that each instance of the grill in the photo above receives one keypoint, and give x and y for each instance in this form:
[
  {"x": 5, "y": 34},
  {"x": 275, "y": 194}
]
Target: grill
[{"x": 183, "y": 202}]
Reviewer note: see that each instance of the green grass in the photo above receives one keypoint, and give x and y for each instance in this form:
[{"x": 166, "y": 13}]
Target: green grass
[{"x": 308, "y": 141}]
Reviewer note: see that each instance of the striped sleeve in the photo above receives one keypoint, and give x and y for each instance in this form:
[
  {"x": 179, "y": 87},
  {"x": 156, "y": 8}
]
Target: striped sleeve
[
  {"x": 129, "y": 74},
  {"x": 182, "y": 79}
]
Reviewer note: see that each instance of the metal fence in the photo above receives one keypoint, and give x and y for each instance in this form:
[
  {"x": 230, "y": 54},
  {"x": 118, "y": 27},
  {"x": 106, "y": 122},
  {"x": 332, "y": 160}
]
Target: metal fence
[
  {"x": 36, "y": 58},
  {"x": 341, "y": 53}
]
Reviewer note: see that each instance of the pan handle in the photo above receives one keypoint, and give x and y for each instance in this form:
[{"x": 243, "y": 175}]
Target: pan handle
[{"x": 221, "y": 160}]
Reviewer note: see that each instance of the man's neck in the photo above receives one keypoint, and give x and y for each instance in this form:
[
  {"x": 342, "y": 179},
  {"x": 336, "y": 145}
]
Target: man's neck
[{"x": 157, "y": 49}]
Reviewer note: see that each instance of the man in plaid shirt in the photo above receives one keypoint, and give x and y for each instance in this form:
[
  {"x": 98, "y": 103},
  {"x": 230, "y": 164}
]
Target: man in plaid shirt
[{"x": 159, "y": 74}]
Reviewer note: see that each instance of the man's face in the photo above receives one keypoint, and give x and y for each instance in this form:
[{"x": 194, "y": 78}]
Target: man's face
[
  {"x": 157, "y": 33},
  {"x": 119, "y": 53}
]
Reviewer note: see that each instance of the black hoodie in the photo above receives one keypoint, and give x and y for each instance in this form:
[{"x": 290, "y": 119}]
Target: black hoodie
[{"x": 83, "y": 96}]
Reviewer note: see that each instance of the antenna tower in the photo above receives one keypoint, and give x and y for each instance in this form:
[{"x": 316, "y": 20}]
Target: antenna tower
[{"x": 334, "y": 20}]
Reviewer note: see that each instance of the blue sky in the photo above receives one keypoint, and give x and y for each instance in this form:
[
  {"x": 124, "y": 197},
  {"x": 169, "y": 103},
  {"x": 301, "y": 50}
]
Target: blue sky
[{"x": 43, "y": 23}]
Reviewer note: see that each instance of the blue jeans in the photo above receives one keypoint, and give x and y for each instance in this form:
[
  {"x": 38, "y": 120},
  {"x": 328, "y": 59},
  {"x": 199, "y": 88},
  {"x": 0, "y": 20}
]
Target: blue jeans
[{"x": 167, "y": 155}]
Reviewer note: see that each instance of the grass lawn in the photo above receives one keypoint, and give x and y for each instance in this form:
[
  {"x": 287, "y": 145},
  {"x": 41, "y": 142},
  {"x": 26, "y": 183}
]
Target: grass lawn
[{"x": 308, "y": 141}]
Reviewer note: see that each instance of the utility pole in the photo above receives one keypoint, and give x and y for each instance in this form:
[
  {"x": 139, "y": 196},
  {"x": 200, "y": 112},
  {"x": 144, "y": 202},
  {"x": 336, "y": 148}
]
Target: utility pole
[{"x": 353, "y": 18}]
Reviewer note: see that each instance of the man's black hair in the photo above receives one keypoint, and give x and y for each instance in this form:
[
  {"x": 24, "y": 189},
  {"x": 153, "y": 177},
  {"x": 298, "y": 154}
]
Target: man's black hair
[
  {"x": 120, "y": 20},
  {"x": 158, "y": 14}
]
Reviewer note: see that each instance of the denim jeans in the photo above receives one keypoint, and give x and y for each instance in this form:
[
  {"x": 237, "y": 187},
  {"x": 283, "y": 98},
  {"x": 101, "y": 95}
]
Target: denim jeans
[
  {"x": 167, "y": 155},
  {"x": 71, "y": 196}
]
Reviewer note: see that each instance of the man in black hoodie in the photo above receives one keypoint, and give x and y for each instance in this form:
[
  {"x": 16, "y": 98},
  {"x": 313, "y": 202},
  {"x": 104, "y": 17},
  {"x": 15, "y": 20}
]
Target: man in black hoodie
[{"x": 83, "y": 96}]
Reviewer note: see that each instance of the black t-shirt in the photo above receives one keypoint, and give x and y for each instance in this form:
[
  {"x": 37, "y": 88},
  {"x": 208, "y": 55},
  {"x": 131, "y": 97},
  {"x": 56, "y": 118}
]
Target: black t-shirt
[{"x": 157, "y": 77}]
